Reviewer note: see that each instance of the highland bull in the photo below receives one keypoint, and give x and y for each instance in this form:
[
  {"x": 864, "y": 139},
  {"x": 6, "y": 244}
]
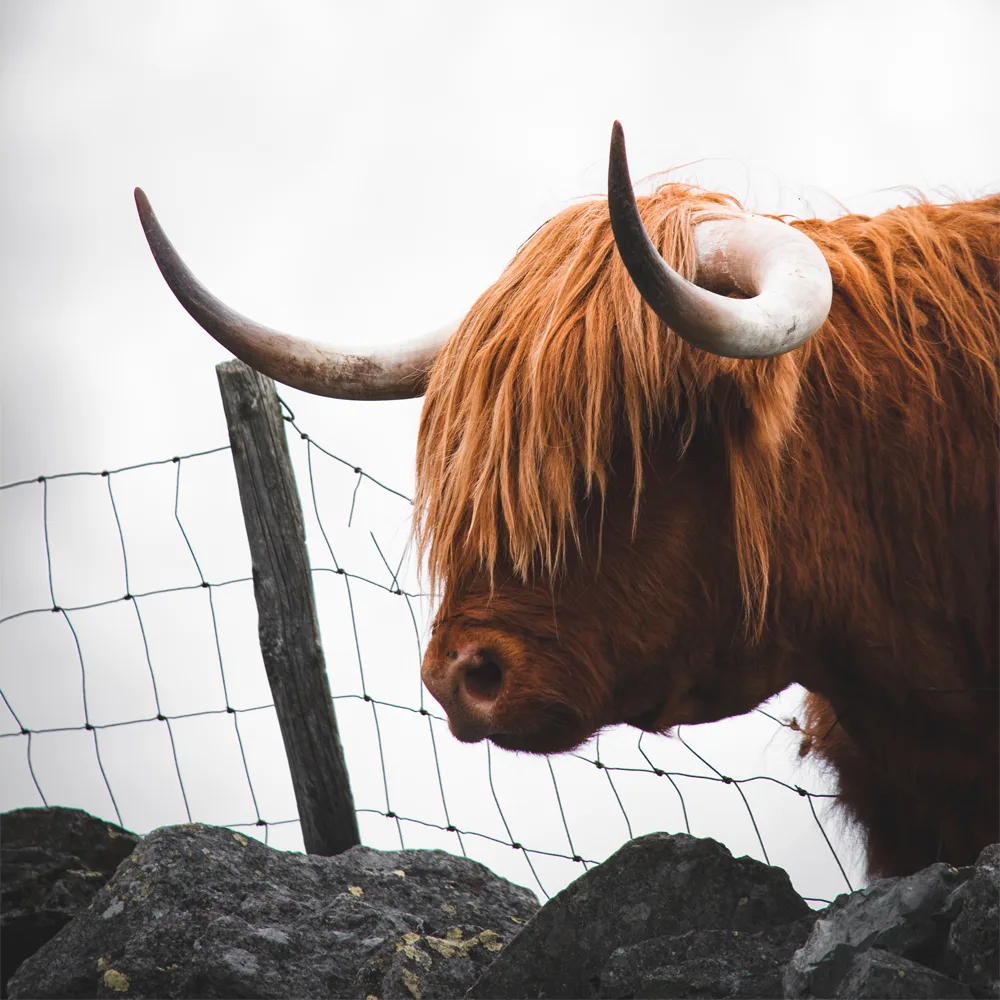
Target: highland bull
[{"x": 679, "y": 457}]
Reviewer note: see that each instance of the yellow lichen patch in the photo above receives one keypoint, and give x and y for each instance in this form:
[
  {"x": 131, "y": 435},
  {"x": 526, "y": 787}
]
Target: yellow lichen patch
[
  {"x": 356, "y": 890},
  {"x": 102, "y": 963},
  {"x": 447, "y": 908},
  {"x": 412, "y": 983},
  {"x": 371, "y": 996},
  {"x": 113, "y": 834},
  {"x": 743, "y": 901},
  {"x": 239, "y": 838},
  {"x": 490, "y": 940},
  {"x": 142, "y": 893},
  {"x": 115, "y": 980},
  {"x": 453, "y": 946},
  {"x": 408, "y": 946},
  {"x": 445, "y": 948},
  {"x": 399, "y": 872},
  {"x": 517, "y": 920}
]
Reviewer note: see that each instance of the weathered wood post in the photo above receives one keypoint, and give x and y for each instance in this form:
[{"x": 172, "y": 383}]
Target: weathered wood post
[{"x": 286, "y": 609}]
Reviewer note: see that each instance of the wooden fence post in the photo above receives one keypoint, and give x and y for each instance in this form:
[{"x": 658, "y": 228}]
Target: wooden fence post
[{"x": 286, "y": 609}]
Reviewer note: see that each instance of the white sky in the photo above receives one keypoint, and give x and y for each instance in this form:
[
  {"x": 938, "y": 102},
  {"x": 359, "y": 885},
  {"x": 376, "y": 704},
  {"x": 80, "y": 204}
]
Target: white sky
[{"x": 364, "y": 171}]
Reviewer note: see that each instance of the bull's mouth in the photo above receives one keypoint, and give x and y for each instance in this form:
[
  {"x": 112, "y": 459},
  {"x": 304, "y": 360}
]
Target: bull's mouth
[
  {"x": 541, "y": 743},
  {"x": 562, "y": 731},
  {"x": 466, "y": 734}
]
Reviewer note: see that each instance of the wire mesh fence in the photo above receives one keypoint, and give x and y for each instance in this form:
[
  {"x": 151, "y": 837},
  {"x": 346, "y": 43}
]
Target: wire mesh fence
[{"x": 131, "y": 685}]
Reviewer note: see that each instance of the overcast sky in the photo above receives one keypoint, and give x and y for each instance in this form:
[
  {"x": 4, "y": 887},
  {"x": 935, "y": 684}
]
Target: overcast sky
[{"x": 364, "y": 171}]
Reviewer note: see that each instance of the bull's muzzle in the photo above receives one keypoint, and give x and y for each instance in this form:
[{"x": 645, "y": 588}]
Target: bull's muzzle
[{"x": 468, "y": 683}]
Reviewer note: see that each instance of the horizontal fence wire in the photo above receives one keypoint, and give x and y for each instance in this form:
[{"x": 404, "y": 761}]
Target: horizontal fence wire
[{"x": 383, "y": 712}]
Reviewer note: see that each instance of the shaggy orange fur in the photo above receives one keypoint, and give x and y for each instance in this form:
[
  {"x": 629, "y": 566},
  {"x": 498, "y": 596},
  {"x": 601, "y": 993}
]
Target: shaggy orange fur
[
  {"x": 599, "y": 503},
  {"x": 560, "y": 359}
]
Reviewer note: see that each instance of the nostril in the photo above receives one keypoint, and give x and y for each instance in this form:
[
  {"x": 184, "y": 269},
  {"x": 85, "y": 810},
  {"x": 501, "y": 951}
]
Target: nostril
[{"x": 483, "y": 680}]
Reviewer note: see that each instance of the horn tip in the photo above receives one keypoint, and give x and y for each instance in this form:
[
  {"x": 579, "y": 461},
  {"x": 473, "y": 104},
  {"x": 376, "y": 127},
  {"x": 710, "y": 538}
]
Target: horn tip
[
  {"x": 618, "y": 172},
  {"x": 619, "y": 158},
  {"x": 141, "y": 201}
]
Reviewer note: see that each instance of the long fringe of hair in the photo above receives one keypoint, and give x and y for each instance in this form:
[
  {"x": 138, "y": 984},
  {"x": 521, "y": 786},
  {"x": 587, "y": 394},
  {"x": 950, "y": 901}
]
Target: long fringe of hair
[{"x": 559, "y": 366}]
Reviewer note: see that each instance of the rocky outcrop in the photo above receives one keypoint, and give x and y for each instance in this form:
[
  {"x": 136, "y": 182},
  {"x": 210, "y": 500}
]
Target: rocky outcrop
[
  {"x": 712, "y": 963},
  {"x": 941, "y": 924},
  {"x": 52, "y": 862},
  {"x": 972, "y": 950},
  {"x": 198, "y": 911},
  {"x": 664, "y": 916}
]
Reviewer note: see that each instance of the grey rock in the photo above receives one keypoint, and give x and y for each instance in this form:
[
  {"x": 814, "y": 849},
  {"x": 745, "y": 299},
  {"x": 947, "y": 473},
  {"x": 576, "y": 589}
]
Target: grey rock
[
  {"x": 880, "y": 975},
  {"x": 908, "y": 917},
  {"x": 199, "y": 911},
  {"x": 52, "y": 863},
  {"x": 714, "y": 963},
  {"x": 658, "y": 886},
  {"x": 972, "y": 951}
]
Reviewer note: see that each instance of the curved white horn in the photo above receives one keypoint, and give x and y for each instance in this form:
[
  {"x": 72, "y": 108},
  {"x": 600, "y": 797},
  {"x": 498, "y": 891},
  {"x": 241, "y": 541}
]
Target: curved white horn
[
  {"x": 781, "y": 269},
  {"x": 396, "y": 372}
]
